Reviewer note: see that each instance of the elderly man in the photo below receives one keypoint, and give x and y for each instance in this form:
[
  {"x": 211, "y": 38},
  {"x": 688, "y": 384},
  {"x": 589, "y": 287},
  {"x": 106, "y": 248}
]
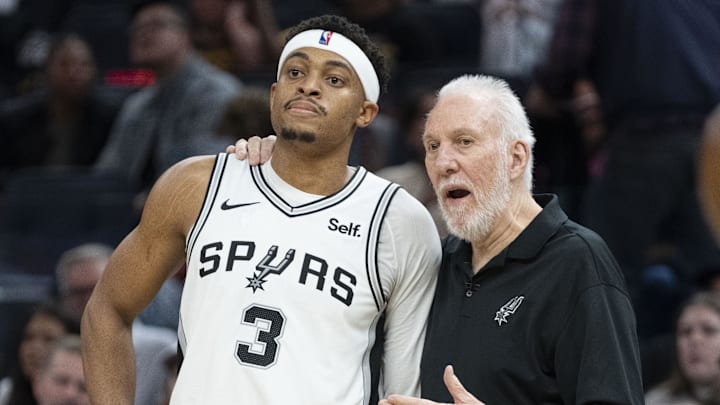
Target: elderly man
[{"x": 530, "y": 307}]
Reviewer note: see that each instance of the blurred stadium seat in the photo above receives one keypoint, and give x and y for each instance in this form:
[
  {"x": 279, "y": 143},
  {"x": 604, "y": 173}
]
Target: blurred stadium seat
[{"x": 44, "y": 212}]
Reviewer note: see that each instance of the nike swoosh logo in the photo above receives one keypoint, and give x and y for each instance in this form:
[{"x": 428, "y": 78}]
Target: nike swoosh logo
[{"x": 226, "y": 206}]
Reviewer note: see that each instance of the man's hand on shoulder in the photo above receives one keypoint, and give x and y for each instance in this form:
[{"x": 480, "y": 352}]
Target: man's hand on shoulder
[{"x": 255, "y": 149}]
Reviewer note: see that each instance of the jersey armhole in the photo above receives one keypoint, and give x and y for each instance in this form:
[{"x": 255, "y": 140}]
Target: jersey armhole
[
  {"x": 373, "y": 270},
  {"x": 208, "y": 202}
]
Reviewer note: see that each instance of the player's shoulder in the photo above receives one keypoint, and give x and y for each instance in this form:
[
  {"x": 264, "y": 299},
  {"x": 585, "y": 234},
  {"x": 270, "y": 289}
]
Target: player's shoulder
[
  {"x": 400, "y": 194},
  {"x": 192, "y": 169},
  {"x": 407, "y": 201},
  {"x": 407, "y": 205},
  {"x": 182, "y": 187},
  {"x": 408, "y": 214}
]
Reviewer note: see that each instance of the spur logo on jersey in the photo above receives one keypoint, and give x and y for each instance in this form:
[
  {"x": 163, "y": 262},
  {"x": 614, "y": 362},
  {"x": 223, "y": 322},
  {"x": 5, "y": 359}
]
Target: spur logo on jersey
[
  {"x": 314, "y": 271},
  {"x": 266, "y": 268},
  {"x": 350, "y": 229},
  {"x": 508, "y": 309}
]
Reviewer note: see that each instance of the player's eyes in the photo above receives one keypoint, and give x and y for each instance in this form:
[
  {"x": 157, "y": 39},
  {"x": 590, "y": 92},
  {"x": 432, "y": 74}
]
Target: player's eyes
[{"x": 335, "y": 81}]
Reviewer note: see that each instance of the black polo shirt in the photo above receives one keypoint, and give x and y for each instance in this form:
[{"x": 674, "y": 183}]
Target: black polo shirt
[{"x": 546, "y": 321}]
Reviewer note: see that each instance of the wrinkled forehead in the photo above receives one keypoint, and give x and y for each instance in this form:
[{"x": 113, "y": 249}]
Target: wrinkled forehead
[{"x": 456, "y": 111}]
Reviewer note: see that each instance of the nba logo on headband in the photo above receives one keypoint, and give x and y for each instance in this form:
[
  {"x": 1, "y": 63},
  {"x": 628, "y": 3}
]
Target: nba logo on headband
[{"x": 325, "y": 38}]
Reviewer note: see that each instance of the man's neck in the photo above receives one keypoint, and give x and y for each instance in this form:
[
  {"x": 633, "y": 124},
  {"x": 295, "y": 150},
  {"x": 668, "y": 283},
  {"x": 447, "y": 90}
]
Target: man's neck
[
  {"x": 507, "y": 227},
  {"x": 321, "y": 175}
]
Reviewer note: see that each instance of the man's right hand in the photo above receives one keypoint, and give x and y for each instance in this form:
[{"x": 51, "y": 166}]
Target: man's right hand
[
  {"x": 256, "y": 150},
  {"x": 458, "y": 392}
]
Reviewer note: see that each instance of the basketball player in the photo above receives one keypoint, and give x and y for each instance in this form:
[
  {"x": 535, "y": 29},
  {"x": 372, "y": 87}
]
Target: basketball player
[{"x": 290, "y": 265}]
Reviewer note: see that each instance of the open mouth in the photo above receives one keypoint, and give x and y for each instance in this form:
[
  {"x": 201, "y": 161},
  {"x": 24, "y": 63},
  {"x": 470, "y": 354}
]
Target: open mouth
[{"x": 456, "y": 193}]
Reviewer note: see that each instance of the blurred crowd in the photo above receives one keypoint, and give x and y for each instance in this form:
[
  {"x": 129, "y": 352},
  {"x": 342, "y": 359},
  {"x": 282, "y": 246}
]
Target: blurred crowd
[{"x": 100, "y": 97}]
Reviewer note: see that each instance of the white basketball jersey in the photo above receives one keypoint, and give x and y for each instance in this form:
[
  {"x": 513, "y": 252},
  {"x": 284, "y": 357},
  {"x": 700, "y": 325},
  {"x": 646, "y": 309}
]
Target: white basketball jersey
[{"x": 281, "y": 302}]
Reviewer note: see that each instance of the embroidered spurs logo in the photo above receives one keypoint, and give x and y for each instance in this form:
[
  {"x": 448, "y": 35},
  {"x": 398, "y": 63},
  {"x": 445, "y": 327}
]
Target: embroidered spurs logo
[
  {"x": 265, "y": 268},
  {"x": 508, "y": 309}
]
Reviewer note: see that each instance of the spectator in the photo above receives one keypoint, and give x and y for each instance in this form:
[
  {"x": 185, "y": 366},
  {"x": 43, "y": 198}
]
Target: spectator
[
  {"x": 696, "y": 379},
  {"x": 80, "y": 268},
  {"x": 236, "y": 35},
  {"x": 26, "y": 29},
  {"x": 78, "y": 271},
  {"x": 76, "y": 274},
  {"x": 655, "y": 74},
  {"x": 47, "y": 323},
  {"x": 174, "y": 118},
  {"x": 70, "y": 118},
  {"x": 61, "y": 379},
  {"x": 515, "y": 35}
]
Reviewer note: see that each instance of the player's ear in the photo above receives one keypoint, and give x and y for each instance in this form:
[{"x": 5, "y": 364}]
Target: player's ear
[
  {"x": 368, "y": 112},
  {"x": 272, "y": 94}
]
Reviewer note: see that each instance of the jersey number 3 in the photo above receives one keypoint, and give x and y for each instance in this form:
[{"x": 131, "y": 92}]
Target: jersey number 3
[{"x": 263, "y": 351}]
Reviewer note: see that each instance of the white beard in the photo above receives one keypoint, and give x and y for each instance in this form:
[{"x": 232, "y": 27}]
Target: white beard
[{"x": 473, "y": 222}]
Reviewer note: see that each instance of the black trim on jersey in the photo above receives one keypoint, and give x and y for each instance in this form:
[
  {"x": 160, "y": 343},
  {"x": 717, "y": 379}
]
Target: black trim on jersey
[
  {"x": 214, "y": 183},
  {"x": 313, "y": 206},
  {"x": 371, "y": 249},
  {"x": 376, "y": 355},
  {"x": 182, "y": 342},
  {"x": 180, "y": 358}
]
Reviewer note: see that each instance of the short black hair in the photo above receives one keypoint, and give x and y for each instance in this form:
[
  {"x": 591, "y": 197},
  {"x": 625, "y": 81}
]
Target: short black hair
[
  {"x": 353, "y": 32},
  {"x": 177, "y": 7}
]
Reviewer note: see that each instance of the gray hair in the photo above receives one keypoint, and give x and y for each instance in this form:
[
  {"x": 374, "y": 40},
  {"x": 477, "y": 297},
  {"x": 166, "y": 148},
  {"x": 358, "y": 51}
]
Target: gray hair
[
  {"x": 88, "y": 251},
  {"x": 508, "y": 111}
]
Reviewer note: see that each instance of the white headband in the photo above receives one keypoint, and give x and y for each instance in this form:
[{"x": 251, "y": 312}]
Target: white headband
[{"x": 341, "y": 45}]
